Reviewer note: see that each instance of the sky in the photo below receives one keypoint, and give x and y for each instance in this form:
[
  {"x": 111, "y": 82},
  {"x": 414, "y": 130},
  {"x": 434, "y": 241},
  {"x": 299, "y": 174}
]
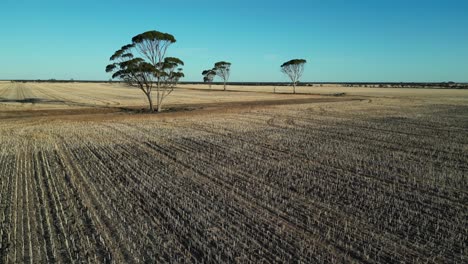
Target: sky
[{"x": 342, "y": 40}]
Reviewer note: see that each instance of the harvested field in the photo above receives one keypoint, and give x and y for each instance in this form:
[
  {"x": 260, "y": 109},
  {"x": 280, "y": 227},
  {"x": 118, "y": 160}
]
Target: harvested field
[
  {"x": 370, "y": 177},
  {"x": 52, "y": 96}
]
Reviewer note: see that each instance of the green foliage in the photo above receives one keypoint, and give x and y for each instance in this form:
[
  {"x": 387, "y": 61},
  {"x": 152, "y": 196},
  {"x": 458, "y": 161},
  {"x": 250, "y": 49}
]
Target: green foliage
[
  {"x": 208, "y": 72},
  {"x": 223, "y": 70},
  {"x": 172, "y": 63},
  {"x": 150, "y": 70},
  {"x": 153, "y": 36},
  {"x": 294, "y": 62},
  {"x": 127, "y": 47},
  {"x": 116, "y": 55},
  {"x": 222, "y": 64},
  {"x": 123, "y": 52},
  {"x": 135, "y": 69},
  {"x": 170, "y": 71},
  {"x": 127, "y": 56},
  {"x": 111, "y": 67},
  {"x": 208, "y": 75},
  {"x": 294, "y": 69}
]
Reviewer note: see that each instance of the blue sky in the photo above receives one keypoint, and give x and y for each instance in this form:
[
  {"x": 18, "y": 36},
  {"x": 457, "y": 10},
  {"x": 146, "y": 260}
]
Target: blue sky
[{"x": 347, "y": 40}]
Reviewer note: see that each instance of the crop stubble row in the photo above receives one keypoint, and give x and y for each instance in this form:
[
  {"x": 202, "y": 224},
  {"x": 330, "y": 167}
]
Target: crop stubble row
[{"x": 288, "y": 183}]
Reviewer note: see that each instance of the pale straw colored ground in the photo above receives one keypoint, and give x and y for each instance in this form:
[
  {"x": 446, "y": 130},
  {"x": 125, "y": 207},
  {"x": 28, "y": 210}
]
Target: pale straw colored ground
[{"x": 32, "y": 96}]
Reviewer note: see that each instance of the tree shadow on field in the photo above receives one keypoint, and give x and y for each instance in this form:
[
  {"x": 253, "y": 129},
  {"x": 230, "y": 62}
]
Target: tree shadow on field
[
  {"x": 31, "y": 101},
  {"x": 43, "y": 101},
  {"x": 139, "y": 110}
]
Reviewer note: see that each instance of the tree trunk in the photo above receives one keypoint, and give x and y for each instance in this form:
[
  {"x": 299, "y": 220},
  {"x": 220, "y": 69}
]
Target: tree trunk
[
  {"x": 224, "y": 85},
  {"x": 150, "y": 101},
  {"x": 159, "y": 103},
  {"x": 159, "y": 95},
  {"x": 294, "y": 88}
]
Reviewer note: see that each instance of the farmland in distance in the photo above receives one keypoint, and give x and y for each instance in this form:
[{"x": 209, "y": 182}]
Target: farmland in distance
[{"x": 373, "y": 176}]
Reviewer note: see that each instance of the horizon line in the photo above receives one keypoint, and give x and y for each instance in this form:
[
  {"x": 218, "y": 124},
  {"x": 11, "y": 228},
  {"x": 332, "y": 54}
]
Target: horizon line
[{"x": 246, "y": 82}]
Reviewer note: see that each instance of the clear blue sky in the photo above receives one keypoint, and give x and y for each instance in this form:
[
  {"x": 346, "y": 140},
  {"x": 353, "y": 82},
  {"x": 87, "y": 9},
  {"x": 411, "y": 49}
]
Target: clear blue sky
[{"x": 348, "y": 40}]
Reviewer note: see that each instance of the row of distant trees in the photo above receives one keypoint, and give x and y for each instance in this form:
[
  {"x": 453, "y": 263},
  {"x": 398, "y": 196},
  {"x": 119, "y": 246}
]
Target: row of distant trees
[
  {"x": 221, "y": 69},
  {"x": 143, "y": 64},
  {"x": 293, "y": 69}
]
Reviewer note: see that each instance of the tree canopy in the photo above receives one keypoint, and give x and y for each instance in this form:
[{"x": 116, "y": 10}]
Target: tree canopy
[
  {"x": 223, "y": 70},
  {"x": 208, "y": 76},
  {"x": 152, "y": 69},
  {"x": 153, "y": 35},
  {"x": 153, "y": 45},
  {"x": 294, "y": 69},
  {"x": 294, "y": 62}
]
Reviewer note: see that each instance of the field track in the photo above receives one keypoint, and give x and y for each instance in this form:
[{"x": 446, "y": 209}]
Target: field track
[{"x": 375, "y": 180}]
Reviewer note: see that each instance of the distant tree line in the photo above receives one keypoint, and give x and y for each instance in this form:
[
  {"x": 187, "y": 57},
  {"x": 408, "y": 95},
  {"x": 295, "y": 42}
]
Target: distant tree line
[
  {"x": 59, "y": 81},
  {"x": 438, "y": 85},
  {"x": 446, "y": 85},
  {"x": 293, "y": 69},
  {"x": 222, "y": 69},
  {"x": 143, "y": 64}
]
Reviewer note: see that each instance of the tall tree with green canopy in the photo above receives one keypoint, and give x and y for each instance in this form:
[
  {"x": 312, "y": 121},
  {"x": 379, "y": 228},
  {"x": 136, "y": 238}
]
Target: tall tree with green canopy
[
  {"x": 208, "y": 76},
  {"x": 152, "y": 70},
  {"x": 294, "y": 69},
  {"x": 223, "y": 70}
]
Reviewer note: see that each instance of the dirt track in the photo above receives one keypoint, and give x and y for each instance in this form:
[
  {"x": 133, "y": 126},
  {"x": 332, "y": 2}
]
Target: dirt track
[{"x": 98, "y": 113}]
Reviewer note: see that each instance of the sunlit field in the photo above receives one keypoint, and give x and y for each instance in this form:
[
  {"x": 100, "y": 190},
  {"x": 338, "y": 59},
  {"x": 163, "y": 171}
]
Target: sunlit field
[{"x": 245, "y": 176}]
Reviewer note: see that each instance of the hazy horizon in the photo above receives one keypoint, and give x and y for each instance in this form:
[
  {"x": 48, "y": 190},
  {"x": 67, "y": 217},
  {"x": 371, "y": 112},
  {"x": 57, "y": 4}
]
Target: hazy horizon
[
  {"x": 365, "y": 41},
  {"x": 220, "y": 82}
]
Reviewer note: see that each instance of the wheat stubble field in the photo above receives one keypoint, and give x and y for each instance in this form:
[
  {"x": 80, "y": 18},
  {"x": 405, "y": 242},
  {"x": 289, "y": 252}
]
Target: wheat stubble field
[{"x": 376, "y": 176}]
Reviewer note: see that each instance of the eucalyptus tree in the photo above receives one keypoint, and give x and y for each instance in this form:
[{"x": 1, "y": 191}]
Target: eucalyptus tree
[
  {"x": 294, "y": 69},
  {"x": 208, "y": 76},
  {"x": 223, "y": 70},
  {"x": 152, "y": 70}
]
